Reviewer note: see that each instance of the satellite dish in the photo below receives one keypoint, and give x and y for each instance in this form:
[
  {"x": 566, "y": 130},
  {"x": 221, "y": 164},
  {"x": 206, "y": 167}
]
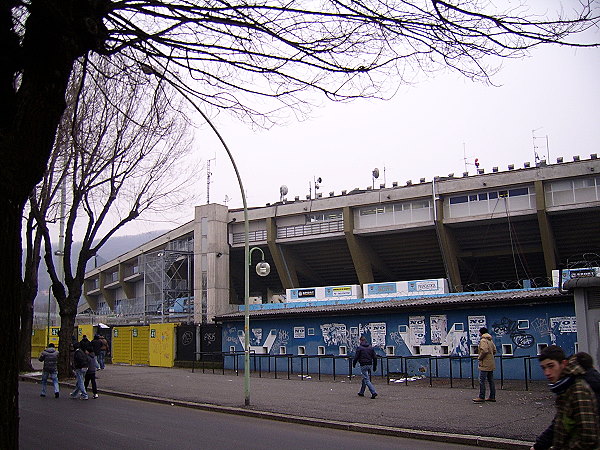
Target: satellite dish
[
  {"x": 283, "y": 190},
  {"x": 375, "y": 172}
]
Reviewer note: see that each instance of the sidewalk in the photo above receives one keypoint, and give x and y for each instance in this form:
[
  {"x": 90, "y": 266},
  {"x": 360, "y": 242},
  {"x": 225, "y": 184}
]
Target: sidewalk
[{"x": 413, "y": 410}]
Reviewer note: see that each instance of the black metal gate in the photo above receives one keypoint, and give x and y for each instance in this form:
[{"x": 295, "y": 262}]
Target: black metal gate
[
  {"x": 186, "y": 342},
  {"x": 210, "y": 342}
]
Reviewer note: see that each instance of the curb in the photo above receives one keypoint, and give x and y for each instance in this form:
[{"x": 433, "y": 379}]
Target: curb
[{"x": 454, "y": 438}]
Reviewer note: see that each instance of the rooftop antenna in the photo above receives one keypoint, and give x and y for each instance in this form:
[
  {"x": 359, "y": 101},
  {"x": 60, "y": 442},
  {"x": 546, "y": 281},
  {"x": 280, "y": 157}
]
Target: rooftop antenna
[
  {"x": 283, "y": 190},
  {"x": 375, "y": 175},
  {"x": 208, "y": 174},
  {"x": 536, "y": 155},
  {"x": 467, "y": 158},
  {"x": 317, "y": 182}
]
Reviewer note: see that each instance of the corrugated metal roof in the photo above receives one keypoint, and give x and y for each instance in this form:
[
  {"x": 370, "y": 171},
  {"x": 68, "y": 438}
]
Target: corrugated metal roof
[{"x": 485, "y": 299}]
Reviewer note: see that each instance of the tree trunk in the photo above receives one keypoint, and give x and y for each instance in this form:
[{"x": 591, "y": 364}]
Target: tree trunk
[
  {"x": 24, "y": 355},
  {"x": 10, "y": 286},
  {"x": 67, "y": 326}
]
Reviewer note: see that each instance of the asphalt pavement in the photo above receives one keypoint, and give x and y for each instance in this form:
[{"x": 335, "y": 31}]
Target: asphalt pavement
[{"x": 414, "y": 409}]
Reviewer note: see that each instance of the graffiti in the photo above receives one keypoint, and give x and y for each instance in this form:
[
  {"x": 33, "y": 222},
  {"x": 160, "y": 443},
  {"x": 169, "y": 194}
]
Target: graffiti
[
  {"x": 256, "y": 336},
  {"x": 456, "y": 340},
  {"x": 209, "y": 337},
  {"x": 282, "y": 340},
  {"x": 396, "y": 339},
  {"x": 541, "y": 326},
  {"x": 283, "y": 336},
  {"x": 509, "y": 327},
  {"x": 438, "y": 326},
  {"x": 187, "y": 338}
]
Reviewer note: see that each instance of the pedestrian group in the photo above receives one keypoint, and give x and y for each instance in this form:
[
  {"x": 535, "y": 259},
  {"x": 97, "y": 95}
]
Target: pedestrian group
[{"x": 88, "y": 356}]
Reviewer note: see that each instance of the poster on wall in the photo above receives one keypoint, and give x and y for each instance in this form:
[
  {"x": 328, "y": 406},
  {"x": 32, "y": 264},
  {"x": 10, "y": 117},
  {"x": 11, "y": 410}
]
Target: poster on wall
[
  {"x": 475, "y": 323},
  {"x": 378, "y": 331},
  {"x": 299, "y": 333},
  {"x": 563, "y": 324},
  {"x": 334, "y": 333},
  {"x": 438, "y": 324},
  {"x": 416, "y": 326}
]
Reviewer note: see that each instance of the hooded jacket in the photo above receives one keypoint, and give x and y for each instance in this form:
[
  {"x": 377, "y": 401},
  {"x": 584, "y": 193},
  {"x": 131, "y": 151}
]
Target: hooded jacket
[
  {"x": 486, "y": 352},
  {"x": 50, "y": 359},
  {"x": 365, "y": 356},
  {"x": 576, "y": 424}
]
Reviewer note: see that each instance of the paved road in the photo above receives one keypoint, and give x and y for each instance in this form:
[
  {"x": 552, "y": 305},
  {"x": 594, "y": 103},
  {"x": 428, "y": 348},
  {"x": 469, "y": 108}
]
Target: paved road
[{"x": 118, "y": 423}]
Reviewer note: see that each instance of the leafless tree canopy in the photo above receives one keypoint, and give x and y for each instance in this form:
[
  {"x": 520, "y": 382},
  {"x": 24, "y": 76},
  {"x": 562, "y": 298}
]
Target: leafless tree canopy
[
  {"x": 249, "y": 58},
  {"x": 342, "y": 48},
  {"x": 120, "y": 149}
]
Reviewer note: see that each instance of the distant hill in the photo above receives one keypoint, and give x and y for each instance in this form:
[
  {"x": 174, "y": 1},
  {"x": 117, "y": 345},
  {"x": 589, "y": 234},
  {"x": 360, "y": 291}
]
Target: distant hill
[{"x": 116, "y": 246}]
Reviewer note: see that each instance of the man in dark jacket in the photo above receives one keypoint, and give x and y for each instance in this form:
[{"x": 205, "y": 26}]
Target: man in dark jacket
[
  {"x": 81, "y": 362},
  {"x": 50, "y": 359},
  {"x": 366, "y": 357},
  {"x": 85, "y": 343},
  {"x": 576, "y": 423}
]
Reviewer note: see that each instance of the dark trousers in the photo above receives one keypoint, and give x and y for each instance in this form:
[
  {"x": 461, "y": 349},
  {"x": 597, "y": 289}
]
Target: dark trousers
[{"x": 91, "y": 377}]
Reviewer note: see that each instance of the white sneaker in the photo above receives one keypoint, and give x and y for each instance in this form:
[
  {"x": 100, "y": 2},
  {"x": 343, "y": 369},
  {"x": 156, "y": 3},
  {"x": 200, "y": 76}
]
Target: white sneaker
[{"x": 95, "y": 395}]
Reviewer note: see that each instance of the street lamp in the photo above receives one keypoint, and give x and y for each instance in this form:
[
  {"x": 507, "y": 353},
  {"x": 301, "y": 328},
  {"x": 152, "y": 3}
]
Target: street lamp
[
  {"x": 149, "y": 70},
  {"x": 262, "y": 268}
]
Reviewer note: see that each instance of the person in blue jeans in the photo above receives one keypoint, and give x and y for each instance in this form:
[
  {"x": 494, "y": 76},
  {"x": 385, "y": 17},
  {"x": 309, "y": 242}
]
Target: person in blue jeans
[
  {"x": 81, "y": 362},
  {"x": 485, "y": 355},
  {"x": 50, "y": 358},
  {"x": 366, "y": 357}
]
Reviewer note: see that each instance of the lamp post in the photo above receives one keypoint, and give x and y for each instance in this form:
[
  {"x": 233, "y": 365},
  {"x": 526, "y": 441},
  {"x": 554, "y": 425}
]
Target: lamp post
[{"x": 149, "y": 70}]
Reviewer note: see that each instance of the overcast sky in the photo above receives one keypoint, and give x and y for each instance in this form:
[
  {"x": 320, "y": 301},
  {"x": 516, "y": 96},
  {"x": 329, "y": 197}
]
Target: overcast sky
[{"x": 424, "y": 131}]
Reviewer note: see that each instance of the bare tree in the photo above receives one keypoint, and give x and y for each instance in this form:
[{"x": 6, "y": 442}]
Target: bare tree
[
  {"x": 120, "y": 152},
  {"x": 232, "y": 55}
]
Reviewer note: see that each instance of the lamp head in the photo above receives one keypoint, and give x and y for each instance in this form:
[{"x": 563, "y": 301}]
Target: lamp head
[{"x": 263, "y": 269}]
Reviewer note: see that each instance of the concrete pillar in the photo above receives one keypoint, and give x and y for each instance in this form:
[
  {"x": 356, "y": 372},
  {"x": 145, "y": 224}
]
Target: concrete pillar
[
  {"x": 211, "y": 263},
  {"x": 586, "y": 293}
]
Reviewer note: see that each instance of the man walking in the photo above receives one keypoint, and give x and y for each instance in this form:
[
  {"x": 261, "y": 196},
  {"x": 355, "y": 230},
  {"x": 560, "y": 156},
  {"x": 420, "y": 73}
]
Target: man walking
[
  {"x": 485, "y": 355},
  {"x": 50, "y": 359},
  {"x": 366, "y": 357},
  {"x": 103, "y": 351},
  {"x": 80, "y": 361}
]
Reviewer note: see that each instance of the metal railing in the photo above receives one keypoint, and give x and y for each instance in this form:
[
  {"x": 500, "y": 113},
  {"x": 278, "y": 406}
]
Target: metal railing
[{"x": 447, "y": 369}]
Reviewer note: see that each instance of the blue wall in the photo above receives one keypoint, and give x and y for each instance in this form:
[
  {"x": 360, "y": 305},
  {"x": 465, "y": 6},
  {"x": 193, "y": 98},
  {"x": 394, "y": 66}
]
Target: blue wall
[{"x": 520, "y": 329}]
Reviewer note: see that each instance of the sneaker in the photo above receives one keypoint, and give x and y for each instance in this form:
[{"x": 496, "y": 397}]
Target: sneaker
[
  {"x": 478, "y": 400},
  {"x": 96, "y": 396},
  {"x": 56, "y": 395},
  {"x": 361, "y": 395},
  {"x": 490, "y": 399},
  {"x": 42, "y": 395},
  {"x": 373, "y": 395},
  {"x": 84, "y": 398},
  {"x": 74, "y": 397}
]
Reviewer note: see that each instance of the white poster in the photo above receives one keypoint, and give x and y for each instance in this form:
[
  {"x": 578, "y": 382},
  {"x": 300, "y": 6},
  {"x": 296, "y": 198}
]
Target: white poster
[
  {"x": 299, "y": 333},
  {"x": 475, "y": 323},
  {"x": 416, "y": 326},
  {"x": 438, "y": 325},
  {"x": 564, "y": 324}
]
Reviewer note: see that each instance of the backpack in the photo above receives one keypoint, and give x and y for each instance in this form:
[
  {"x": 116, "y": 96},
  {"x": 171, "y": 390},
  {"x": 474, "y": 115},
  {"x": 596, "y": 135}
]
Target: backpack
[{"x": 80, "y": 359}]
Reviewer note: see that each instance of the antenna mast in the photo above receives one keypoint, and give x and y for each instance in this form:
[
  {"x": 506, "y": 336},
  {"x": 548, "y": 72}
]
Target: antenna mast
[{"x": 208, "y": 174}]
